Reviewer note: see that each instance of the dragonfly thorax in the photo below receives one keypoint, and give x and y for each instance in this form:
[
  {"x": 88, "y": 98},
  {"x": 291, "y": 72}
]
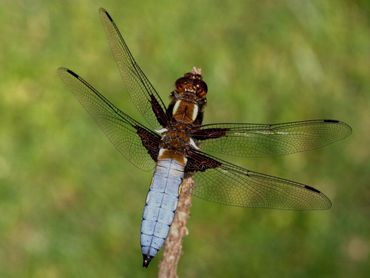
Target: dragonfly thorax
[{"x": 176, "y": 139}]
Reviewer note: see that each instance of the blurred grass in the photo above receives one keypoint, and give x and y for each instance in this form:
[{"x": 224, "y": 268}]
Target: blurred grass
[{"x": 71, "y": 206}]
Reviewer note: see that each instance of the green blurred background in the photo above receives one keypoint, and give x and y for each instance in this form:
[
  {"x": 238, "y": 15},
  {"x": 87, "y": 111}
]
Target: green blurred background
[{"x": 70, "y": 205}]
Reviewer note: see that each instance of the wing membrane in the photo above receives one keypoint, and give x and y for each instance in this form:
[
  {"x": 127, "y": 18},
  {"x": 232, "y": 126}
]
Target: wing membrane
[
  {"x": 259, "y": 140},
  {"x": 229, "y": 184},
  {"x": 137, "y": 84},
  {"x": 120, "y": 128}
]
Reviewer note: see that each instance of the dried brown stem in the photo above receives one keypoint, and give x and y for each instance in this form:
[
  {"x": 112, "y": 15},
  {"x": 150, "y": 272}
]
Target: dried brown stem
[{"x": 173, "y": 246}]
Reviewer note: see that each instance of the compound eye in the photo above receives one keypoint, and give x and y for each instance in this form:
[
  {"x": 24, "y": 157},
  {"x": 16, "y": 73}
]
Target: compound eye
[
  {"x": 181, "y": 83},
  {"x": 201, "y": 87}
]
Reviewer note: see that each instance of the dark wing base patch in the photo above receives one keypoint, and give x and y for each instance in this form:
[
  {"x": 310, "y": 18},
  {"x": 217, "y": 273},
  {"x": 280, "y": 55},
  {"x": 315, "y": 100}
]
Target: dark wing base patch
[
  {"x": 150, "y": 141},
  {"x": 199, "y": 162}
]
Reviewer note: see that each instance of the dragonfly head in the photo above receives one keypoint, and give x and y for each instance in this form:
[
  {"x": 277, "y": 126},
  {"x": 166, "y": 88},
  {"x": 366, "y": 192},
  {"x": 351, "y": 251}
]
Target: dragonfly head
[{"x": 192, "y": 84}]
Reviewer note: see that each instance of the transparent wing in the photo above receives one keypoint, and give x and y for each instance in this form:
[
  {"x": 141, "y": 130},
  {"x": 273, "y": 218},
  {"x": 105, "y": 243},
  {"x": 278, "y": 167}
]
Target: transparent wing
[
  {"x": 137, "y": 84},
  {"x": 259, "y": 140},
  {"x": 229, "y": 184},
  {"x": 120, "y": 128}
]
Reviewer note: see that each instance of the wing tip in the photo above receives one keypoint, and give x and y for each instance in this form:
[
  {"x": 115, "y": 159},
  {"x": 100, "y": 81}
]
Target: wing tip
[
  {"x": 104, "y": 12},
  {"x": 347, "y": 126},
  {"x": 73, "y": 73},
  {"x": 349, "y": 129},
  {"x": 331, "y": 121},
  {"x": 326, "y": 204},
  {"x": 63, "y": 70},
  {"x": 312, "y": 188}
]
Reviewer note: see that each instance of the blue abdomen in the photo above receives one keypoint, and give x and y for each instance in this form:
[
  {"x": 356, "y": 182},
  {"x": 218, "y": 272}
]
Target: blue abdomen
[{"x": 160, "y": 206}]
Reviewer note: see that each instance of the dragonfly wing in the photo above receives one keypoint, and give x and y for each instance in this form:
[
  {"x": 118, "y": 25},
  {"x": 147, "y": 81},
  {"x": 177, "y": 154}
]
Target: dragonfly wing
[
  {"x": 137, "y": 84},
  {"x": 228, "y": 184},
  {"x": 259, "y": 140},
  {"x": 131, "y": 139}
]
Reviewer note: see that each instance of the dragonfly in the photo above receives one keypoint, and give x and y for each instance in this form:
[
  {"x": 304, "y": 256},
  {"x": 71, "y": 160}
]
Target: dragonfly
[{"x": 176, "y": 144}]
